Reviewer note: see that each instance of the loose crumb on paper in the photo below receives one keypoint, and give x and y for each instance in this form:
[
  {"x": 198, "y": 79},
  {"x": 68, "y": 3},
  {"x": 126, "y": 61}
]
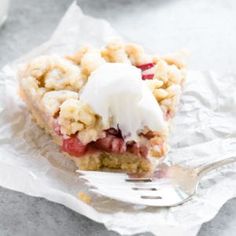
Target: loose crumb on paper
[{"x": 84, "y": 197}]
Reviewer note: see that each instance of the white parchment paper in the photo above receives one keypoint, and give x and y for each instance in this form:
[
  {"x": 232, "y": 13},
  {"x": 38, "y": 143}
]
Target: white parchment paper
[{"x": 205, "y": 131}]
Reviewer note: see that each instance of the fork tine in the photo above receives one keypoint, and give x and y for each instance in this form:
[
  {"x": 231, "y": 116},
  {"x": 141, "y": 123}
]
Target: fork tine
[{"x": 145, "y": 191}]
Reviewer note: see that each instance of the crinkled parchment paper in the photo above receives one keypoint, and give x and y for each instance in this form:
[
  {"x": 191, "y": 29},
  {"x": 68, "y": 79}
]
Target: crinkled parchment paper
[{"x": 205, "y": 131}]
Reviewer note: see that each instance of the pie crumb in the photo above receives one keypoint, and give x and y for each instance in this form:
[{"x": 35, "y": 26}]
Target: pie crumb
[{"x": 84, "y": 197}]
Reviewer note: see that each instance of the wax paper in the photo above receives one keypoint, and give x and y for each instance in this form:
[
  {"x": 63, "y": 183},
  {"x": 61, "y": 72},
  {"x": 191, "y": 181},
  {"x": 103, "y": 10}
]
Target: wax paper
[{"x": 204, "y": 131}]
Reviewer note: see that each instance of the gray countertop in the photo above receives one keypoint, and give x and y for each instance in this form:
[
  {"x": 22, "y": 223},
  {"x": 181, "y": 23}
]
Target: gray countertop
[{"x": 210, "y": 38}]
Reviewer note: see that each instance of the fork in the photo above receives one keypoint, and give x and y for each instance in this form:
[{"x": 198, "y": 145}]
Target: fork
[{"x": 170, "y": 185}]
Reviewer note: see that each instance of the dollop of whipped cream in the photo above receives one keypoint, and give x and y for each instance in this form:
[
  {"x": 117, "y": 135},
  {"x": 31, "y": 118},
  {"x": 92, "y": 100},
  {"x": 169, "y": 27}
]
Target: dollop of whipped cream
[{"x": 117, "y": 93}]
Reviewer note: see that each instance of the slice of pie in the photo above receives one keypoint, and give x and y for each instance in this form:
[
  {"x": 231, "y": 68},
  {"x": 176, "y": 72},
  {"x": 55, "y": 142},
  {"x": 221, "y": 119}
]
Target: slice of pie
[{"x": 105, "y": 108}]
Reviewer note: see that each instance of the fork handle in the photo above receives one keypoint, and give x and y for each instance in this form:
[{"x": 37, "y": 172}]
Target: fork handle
[{"x": 203, "y": 170}]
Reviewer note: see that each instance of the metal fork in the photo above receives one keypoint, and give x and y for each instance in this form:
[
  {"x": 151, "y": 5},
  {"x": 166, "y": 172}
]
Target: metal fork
[{"x": 170, "y": 185}]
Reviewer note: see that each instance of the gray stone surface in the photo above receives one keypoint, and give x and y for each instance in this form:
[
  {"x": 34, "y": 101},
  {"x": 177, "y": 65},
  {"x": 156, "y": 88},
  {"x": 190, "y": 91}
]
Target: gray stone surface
[{"x": 31, "y": 22}]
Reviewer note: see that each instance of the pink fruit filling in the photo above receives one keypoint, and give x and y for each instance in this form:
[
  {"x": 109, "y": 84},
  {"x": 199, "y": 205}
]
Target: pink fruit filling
[
  {"x": 113, "y": 142},
  {"x": 73, "y": 146},
  {"x": 57, "y": 128},
  {"x": 110, "y": 143},
  {"x": 149, "y": 76},
  {"x": 144, "y": 68}
]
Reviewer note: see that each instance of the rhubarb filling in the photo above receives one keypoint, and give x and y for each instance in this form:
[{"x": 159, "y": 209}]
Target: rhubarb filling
[
  {"x": 112, "y": 142},
  {"x": 147, "y": 71}
]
